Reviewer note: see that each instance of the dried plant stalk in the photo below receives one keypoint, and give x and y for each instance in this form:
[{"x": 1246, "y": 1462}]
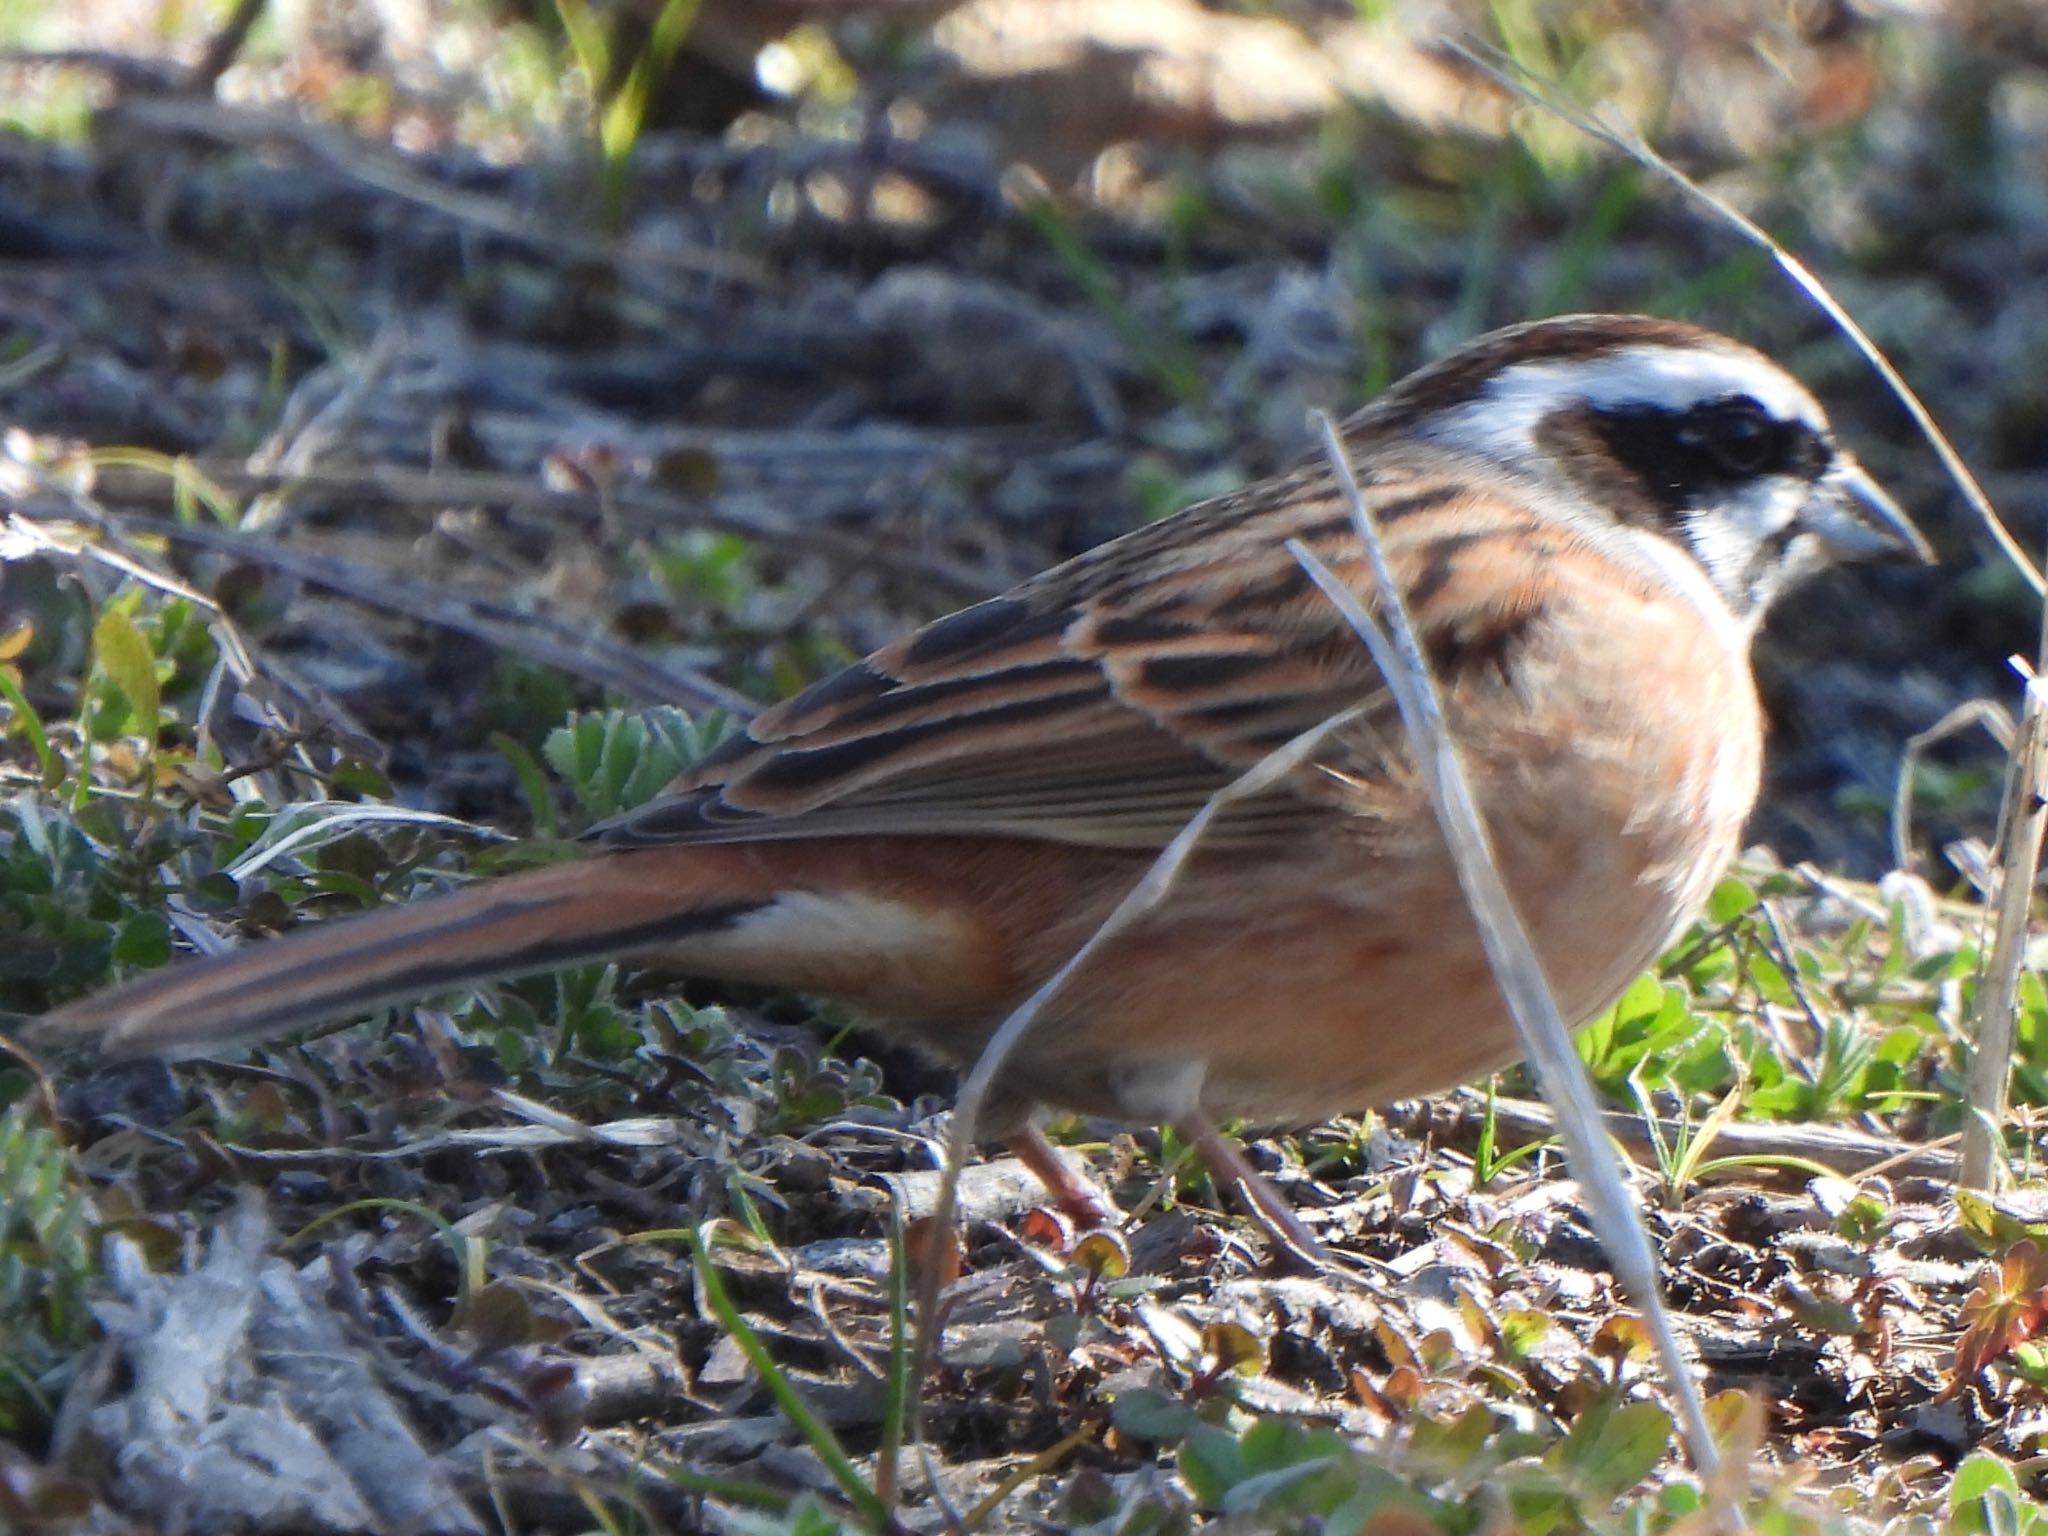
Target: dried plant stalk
[
  {"x": 2022, "y": 822},
  {"x": 1545, "y": 1034}
]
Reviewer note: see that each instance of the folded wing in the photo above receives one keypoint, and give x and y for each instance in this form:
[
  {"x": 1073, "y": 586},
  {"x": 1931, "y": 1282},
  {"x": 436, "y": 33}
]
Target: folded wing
[{"x": 1100, "y": 704}]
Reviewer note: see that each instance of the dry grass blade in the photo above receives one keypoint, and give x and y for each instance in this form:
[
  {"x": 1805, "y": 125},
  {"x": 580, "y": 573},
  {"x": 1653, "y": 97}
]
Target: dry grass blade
[
  {"x": 1545, "y": 1035},
  {"x": 2022, "y": 821},
  {"x": 1973, "y": 712},
  {"x": 1505, "y": 73}
]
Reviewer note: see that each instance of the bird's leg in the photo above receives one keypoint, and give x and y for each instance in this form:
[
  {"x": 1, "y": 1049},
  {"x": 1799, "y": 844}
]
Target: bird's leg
[
  {"x": 1072, "y": 1191},
  {"x": 1258, "y": 1198}
]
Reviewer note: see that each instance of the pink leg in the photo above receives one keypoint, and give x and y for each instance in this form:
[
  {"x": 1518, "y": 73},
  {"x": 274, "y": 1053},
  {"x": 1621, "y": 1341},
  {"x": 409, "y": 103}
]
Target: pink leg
[
  {"x": 1259, "y": 1199},
  {"x": 1076, "y": 1196}
]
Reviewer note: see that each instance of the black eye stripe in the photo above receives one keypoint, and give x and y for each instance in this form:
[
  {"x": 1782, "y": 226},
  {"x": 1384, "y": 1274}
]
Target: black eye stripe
[
  {"x": 1737, "y": 434},
  {"x": 1690, "y": 457}
]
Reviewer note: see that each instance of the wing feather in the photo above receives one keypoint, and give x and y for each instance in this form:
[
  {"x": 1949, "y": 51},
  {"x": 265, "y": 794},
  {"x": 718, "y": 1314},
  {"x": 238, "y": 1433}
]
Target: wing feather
[{"x": 1103, "y": 702}]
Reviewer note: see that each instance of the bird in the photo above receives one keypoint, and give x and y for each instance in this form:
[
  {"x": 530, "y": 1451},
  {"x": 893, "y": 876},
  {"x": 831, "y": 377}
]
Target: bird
[{"x": 1588, "y": 517}]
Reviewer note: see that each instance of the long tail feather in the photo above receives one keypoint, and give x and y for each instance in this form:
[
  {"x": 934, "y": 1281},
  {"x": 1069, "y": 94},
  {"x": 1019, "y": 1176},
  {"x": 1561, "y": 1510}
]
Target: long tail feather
[{"x": 503, "y": 928}]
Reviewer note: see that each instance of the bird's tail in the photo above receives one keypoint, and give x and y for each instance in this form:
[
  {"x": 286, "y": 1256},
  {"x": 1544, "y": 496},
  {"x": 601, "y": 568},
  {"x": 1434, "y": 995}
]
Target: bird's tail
[{"x": 591, "y": 909}]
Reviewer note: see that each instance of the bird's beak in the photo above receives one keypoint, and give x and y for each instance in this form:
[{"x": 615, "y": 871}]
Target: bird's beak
[{"x": 1856, "y": 520}]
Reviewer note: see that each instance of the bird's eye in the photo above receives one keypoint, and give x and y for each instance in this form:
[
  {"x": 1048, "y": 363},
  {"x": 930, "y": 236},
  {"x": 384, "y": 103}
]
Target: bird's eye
[{"x": 1739, "y": 434}]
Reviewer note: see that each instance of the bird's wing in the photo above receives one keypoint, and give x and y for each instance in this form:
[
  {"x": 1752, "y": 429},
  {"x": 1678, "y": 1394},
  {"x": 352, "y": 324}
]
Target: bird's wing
[{"x": 1102, "y": 703}]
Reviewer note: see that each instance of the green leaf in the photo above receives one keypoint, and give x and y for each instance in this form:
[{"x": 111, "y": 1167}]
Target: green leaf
[
  {"x": 1613, "y": 1447},
  {"x": 1730, "y": 900},
  {"x": 1456, "y": 1442},
  {"x": 1148, "y": 1414},
  {"x": 31, "y": 725},
  {"x": 143, "y": 942},
  {"x": 1984, "y": 1499},
  {"x": 533, "y": 784},
  {"x": 571, "y": 749},
  {"x": 1991, "y": 1228},
  {"x": 124, "y": 655},
  {"x": 1378, "y": 1492},
  {"x": 1212, "y": 1463},
  {"x": 1770, "y": 981},
  {"x": 617, "y": 761},
  {"x": 354, "y": 776},
  {"x": 1522, "y": 1329},
  {"x": 1978, "y": 1473}
]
